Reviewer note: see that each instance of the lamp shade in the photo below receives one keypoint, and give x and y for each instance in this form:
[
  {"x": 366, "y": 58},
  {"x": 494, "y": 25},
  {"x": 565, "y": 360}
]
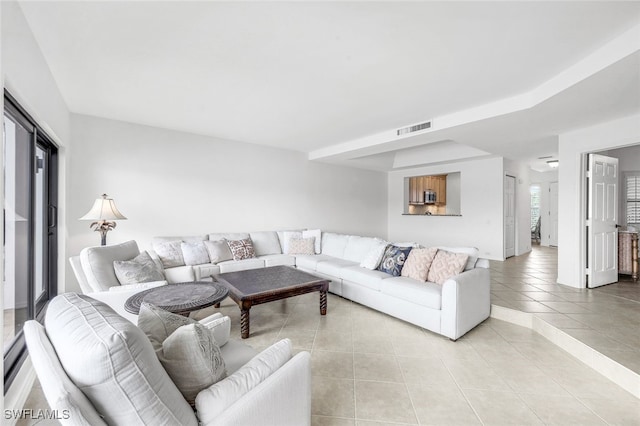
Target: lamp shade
[{"x": 103, "y": 209}]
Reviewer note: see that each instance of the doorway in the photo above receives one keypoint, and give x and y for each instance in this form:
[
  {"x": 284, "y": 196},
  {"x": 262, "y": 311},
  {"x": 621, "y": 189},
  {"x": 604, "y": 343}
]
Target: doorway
[
  {"x": 553, "y": 214},
  {"x": 509, "y": 216}
]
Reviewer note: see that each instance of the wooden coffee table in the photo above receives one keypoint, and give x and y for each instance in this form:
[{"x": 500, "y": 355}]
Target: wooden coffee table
[
  {"x": 180, "y": 298},
  {"x": 256, "y": 286}
]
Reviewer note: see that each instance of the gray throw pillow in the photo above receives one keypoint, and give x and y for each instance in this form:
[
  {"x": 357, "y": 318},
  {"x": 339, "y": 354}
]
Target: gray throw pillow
[
  {"x": 218, "y": 251},
  {"x": 186, "y": 349},
  {"x": 141, "y": 269},
  {"x": 170, "y": 253},
  {"x": 195, "y": 253}
]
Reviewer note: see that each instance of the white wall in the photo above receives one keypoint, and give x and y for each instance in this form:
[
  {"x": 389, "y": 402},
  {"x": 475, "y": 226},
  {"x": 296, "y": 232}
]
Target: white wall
[
  {"x": 25, "y": 73},
  {"x": 174, "y": 183},
  {"x": 572, "y": 146},
  {"x": 543, "y": 180},
  {"x": 481, "y": 223},
  {"x": 521, "y": 172}
]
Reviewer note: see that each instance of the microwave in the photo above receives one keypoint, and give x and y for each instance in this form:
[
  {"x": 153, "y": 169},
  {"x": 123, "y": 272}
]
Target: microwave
[{"x": 429, "y": 197}]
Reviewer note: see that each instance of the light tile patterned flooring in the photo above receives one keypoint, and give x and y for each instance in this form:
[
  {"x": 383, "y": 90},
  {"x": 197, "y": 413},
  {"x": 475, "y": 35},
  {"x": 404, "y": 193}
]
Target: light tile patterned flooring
[{"x": 371, "y": 369}]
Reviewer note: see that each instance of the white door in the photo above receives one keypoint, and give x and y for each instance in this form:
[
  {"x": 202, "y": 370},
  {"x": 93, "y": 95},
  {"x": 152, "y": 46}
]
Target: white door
[
  {"x": 602, "y": 216},
  {"x": 509, "y": 216},
  {"x": 553, "y": 214}
]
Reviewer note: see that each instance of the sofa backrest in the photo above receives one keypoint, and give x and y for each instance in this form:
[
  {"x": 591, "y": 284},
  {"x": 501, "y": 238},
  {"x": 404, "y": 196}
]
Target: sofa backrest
[
  {"x": 76, "y": 267},
  {"x": 228, "y": 236},
  {"x": 185, "y": 238},
  {"x": 97, "y": 263},
  {"x": 359, "y": 247},
  {"x": 265, "y": 242},
  {"x": 334, "y": 244}
]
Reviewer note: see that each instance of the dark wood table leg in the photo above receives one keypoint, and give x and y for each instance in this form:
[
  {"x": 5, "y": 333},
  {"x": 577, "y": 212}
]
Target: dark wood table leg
[
  {"x": 323, "y": 303},
  {"x": 217, "y": 305},
  {"x": 244, "y": 319}
]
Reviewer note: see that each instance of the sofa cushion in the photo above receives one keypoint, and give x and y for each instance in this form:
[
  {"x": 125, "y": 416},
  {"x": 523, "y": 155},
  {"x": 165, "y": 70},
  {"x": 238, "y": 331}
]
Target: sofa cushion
[
  {"x": 240, "y": 265},
  {"x": 141, "y": 269},
  {"x": 425, "y": 294},
  {"x": 113, "y": 363},
  {"x": 278, "y": 260},
  {"x": 170, "y": 253},
  {"x": 363, "y": 276},
  {"x": 310, "y": 263},
  {"x": 181, "y": 274},
  {"x": 418, "y": 263},
  {"x": 334, "y": 244},
  {"x": 218, "y": 251},
  {"x": 265, "y": 242},
  {"x": 317, "y": 234},
  {"x": 287, "y": 236},
  {"x": 473, "y": 253},
  {"x": 333, "y": 266},
  {"x": 204, "y": 271},
  {"x": 241, "y": 249},
  {"x": 186, "y": 349},
  {"x": 229, "y": 236},
  {"x": 393, "y": 260},
  {"x": 281, "y": 237},
  {"x": 97, "y": 263},
  {"x": 302, "y": 246},
  {"x": 373, "y": 258},
  {"x": 185, "y": 238},
  {"x": 194, "y": 253},
  {"x": 446, "y": 265},
  {"x": 359, "y": 247}
]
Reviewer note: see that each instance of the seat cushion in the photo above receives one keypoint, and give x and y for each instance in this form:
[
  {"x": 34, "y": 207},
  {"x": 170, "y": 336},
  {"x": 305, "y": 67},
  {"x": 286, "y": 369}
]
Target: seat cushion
[
  {"x": 265, "y": 242},
  {"x": 310, "y": 263},
  {"x": 425, "y": 294},
  {"x": 332, "y": 267},
  {"x": 181, "y": 274},
  {"x": 334, "y": 244},
  {"x": 364, "y": 277},
  {"x": 240, "y": 265},
  {"x": 205, "y": 270},
  {"x": 278, "y": 259},
  {"x": 113, "y": 363},
  {"x": 97, "y": 263}
]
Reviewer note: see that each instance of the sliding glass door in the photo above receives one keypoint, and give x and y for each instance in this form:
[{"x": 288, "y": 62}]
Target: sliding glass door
[{"x": 30, "y": 229}]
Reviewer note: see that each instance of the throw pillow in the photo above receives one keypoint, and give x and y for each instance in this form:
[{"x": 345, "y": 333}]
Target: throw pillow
[
  {"x": 218, "y": 251},
  {"x": 170, "y": 253},
  {"x": 393, "y": 260},
  {"x": 418, "y": 263},
  {"x": 445, "y": 265},
  {"x": 140, "y": 269},
  {"x": 186, "y": 349},
  {"x": 241, "y": 249},
  {"x": 373, "y": 258},
  {"x": 288, "y": 235},
  {"x": 317, "y": 234},
  {"x": 194, "y": 253},
  {"x": 302, "y": 246}
]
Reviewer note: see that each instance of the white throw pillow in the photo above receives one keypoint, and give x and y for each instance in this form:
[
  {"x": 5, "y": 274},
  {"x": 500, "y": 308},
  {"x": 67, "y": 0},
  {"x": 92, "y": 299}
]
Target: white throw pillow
[
  {"x": 218, "y": 251},
  {"x": 170, "y": 253},
  {"x": 194, "y": 253},
  {"x": 373, "y": 258},
  {"x": 288, "y": 235},
  {"x": 187, "y": 349},
  {"x": 317, "y": 234},
  {"x": 87, "y": 336},
  {"x": 140, "y": 269}
]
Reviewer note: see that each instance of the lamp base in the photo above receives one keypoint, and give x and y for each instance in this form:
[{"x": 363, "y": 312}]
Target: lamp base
[{"x": 103, "y": 227}]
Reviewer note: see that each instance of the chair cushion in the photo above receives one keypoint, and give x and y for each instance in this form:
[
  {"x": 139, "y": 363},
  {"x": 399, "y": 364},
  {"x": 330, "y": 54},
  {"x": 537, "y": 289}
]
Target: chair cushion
[
  {"x": 334, "y": 244},
  {"x": 265, "y": 242},
  {"x": 140, "y": 269},
  {"x": 310, "y": 263},
  {"x": 425, "y": 294},
  {"x": 194, "y": 253},
  {"x": 187, "y": 349},
  {"x": 97, "y": 263},
  {"x": 113, "y": 363},
  {"x": 446, "y": 265},
  {"x": 418, "y": 263},
  {"x": 364, "y": 277}
]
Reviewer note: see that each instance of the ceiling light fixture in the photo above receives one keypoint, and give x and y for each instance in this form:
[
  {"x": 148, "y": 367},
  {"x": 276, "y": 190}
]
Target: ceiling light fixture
[{"x": 553, "y": 164}]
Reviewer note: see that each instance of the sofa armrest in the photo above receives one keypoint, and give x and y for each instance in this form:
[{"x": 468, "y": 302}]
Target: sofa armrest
[
  {"x": 466, "y": 302},
  {"x": 271, "y": 389},
  {"x": 138, "y": 286},
  {"x": 220, "y": 325}
]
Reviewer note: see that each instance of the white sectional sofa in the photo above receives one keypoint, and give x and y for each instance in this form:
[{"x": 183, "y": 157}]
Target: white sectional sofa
[{"x": 451, "y": 309}]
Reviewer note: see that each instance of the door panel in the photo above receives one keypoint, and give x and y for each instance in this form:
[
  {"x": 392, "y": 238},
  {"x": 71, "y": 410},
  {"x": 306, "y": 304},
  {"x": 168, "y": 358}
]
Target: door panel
[
  {"x": 553, "y": 214},
  {"x": 602, "y": 215},
  {"x": 509, "y": 216}
]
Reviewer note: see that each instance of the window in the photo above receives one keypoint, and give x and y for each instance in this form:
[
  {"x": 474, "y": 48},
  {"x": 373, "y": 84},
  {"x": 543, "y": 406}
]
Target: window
[
  {"x": 30, "y": 229},
  {"x": 632, "y": 184},
  {"x": 534, "y": 191}
]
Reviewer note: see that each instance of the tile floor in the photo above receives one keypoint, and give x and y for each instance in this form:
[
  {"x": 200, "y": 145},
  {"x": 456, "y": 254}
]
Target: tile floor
[{"x": 371, "y": 369}]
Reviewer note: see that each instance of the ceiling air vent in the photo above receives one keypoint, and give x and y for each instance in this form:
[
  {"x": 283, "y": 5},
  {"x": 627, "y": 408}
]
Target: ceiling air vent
[{"x": 416, "y": 128}]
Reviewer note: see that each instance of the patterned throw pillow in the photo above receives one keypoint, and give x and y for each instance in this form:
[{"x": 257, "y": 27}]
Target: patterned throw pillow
[
  {"x": 141, "y": 269},
  {"x": 446, "y": 265},
  {"x": 186, "y": 349},
  {"x": 194, "y": 253},
  {"x": 317, "y": 234},
  {"x": 418, "y": 263},
  {"x": 302, "y": 246},
  {"x": 170, "y": 253},
  {"x": 218, "y": 251},
  {"x": 393, "y": 260},
  {"x": 286, "y": 237},
  {"x": 241, "y": 249}
]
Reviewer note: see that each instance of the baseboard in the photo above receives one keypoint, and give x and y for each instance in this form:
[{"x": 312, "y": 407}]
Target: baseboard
[
  {"x": 619, "y": 374},
  {"x": 18, "y": 393}
]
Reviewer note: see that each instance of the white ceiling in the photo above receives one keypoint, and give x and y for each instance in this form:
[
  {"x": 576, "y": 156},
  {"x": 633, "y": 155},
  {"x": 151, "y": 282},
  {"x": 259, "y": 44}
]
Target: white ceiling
[{"x": 312, "y": 75}]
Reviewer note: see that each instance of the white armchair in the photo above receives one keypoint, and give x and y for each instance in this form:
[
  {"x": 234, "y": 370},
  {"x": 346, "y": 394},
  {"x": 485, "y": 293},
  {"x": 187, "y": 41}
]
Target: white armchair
[
  {"x": 129, "y": 386},
  {"x": 94, "y": 269}
]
